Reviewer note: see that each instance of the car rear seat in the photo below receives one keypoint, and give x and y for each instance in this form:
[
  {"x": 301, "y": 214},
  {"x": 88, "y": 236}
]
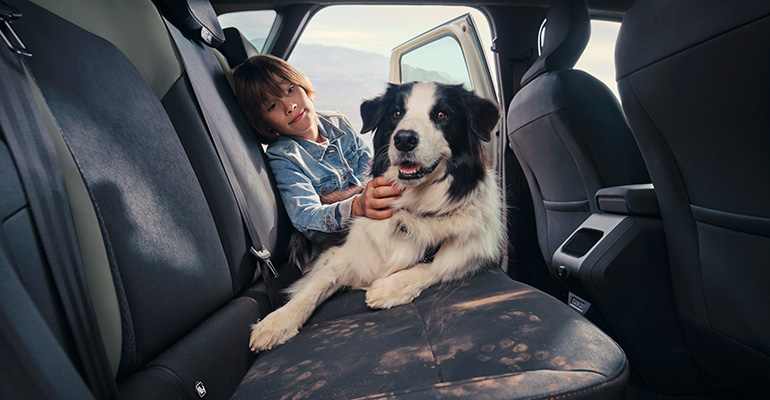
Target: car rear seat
[{"x": 171, "y": 278}]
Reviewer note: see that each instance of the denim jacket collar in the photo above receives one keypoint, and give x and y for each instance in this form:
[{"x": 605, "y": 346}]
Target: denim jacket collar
[{"x": 330, "y": 132}]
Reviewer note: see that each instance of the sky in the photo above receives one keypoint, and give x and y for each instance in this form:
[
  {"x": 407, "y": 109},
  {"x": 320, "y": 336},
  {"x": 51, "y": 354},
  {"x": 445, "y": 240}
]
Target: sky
[
  {"x": 376, "y": 29},
  {"x": 379, "y": 29}
]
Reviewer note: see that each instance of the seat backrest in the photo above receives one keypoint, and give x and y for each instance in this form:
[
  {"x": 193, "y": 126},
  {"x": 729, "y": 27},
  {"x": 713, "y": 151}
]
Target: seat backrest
[
  {"x": 155, "y": 220},
  {"x": 567, "y": 131},
  {"x": 695, "y": 85},
  {"x": 176, "y": 250}
]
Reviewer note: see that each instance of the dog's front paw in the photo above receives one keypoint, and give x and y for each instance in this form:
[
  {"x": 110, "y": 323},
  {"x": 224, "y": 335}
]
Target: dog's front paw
[
  {"x": 272, "y": 331},
  {"x": 385, "y": 293}
]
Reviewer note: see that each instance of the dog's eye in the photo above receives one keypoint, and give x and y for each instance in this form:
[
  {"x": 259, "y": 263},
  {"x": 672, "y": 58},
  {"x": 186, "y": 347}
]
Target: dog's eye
[
  {"x": 396, "y": 114},
  {"x": 440, "y": 116}
]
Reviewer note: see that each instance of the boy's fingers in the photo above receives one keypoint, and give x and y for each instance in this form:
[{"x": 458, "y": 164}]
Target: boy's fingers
[
  {"x": 380, "y": 214},
  {"x": 381, "y": 181},
  {"x": 382, "y": 204},
  {"x": 384, "y": 192}
]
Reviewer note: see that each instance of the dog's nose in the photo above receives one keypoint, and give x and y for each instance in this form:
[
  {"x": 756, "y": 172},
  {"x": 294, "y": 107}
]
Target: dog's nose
[{"x": 406, "y": 140}]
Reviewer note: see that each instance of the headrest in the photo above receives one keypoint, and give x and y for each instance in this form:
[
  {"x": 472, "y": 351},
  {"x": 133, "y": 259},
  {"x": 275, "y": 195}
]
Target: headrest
[
  {"x": 567, "y": 30},
  {"x": 236, "y": 47},
  {"x": 652, "y": 31},
  {"x": 195, "y": 18}
]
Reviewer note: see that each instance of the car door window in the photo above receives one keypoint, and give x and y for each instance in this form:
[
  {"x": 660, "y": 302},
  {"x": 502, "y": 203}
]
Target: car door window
[
  {"x": 440, "y": 61},
  {"x": 451, "y": 52},
  {"x": 345, "y": 50}
]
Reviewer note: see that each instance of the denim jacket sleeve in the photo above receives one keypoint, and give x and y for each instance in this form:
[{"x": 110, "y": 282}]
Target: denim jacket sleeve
[{"x": 314, "y": 219}]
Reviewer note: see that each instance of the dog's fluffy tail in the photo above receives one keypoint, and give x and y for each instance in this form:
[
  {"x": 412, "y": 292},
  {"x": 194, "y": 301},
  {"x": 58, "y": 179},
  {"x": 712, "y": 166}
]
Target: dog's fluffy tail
[{"x": 300, "y": 250}]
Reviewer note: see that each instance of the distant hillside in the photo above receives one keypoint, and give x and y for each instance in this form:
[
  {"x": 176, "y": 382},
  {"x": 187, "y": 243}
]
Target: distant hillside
[
  {"x": 343, "y": 77},
  {"x": 410, "y": 73}
]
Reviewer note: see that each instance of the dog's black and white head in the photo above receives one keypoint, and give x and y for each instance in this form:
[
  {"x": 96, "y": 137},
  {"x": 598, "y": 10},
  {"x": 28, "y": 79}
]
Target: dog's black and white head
[{"x": 428, "y": 132}]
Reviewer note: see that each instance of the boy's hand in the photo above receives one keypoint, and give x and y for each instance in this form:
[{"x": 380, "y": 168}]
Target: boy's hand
[{"x": 376, "y": 199}]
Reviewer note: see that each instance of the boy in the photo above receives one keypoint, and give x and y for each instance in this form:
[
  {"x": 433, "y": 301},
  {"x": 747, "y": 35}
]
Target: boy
[{"x": 320, "y": 164}]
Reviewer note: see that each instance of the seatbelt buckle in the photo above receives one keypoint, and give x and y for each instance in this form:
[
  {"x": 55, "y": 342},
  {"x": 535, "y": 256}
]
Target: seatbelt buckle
[
  {"x": 8, "y": 13},
  {"x": 264, "y": 255}
]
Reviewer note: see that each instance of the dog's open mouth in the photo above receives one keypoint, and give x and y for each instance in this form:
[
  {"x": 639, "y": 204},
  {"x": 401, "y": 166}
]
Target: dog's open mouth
[{"x": 409, "y": 171}]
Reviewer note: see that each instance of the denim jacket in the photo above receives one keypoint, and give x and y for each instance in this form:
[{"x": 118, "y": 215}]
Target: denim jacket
[{"x": 306, "y": 171}]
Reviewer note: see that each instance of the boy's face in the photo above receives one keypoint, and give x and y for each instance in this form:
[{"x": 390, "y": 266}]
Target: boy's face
[{"x": 293, "y": 114}]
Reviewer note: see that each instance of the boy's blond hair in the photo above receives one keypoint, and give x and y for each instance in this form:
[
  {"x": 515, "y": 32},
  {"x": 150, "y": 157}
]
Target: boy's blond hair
[{"x": 257, "y": 80}]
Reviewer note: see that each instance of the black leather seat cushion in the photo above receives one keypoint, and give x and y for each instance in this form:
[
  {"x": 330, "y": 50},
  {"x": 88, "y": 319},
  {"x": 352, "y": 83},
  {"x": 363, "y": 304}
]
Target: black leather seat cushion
[{"x": 487, "y": 336}]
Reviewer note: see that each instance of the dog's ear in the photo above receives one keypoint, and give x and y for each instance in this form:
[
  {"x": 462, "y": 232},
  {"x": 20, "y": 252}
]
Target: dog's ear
[
  {"x": 484, "y": 115},
  {"x": 381, "y": 139},
  {"x": 371, "y": 113},
  {"x": 373, "y": 110}
]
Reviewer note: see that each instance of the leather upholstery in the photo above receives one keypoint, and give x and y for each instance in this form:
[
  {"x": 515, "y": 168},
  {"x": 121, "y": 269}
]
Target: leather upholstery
[
  {"x": 567, "y": 131},
  {"x": 441, "y": 346}
]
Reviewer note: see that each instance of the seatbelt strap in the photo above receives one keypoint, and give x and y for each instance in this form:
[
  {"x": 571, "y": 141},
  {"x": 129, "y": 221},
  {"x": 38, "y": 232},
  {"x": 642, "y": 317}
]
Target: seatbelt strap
[
  {"x": 32, "y": 149},
  {"x": 196, "y": 75}
]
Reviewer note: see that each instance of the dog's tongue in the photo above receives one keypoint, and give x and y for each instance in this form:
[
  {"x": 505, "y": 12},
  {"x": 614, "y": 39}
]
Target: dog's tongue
[{"x": 409, "y": 168}]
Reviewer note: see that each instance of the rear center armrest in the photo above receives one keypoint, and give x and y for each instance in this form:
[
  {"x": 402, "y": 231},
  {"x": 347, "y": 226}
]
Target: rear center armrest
[{"x": 637, "y": 199}]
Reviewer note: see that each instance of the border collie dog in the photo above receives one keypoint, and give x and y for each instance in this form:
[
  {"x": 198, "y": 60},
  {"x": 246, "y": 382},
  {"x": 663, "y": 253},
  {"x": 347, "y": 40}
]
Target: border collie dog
[{"x": 448, "y": 224}]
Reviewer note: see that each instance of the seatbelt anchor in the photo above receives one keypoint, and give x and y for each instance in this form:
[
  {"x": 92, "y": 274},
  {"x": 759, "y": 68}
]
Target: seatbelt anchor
[
  {"x": 8, "y": 13},
  {"x": 264, "y": 255}
]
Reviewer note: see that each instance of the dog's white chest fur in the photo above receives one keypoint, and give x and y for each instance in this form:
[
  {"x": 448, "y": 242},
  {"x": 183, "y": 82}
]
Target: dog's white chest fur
[{"x": 427, "y": 219}]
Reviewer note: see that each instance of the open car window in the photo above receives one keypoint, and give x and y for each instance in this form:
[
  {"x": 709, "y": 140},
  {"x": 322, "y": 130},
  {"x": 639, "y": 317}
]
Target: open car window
[
  {"x": 450, "y": 53},
  {"x": 345, "y": 50}
]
